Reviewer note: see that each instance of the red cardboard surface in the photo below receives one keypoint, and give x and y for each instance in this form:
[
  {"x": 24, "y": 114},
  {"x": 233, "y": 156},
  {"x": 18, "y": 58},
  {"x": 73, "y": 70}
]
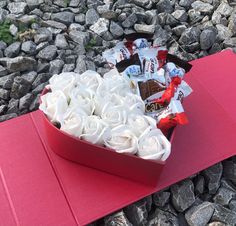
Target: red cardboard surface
[{"x": 37, "y": 187}]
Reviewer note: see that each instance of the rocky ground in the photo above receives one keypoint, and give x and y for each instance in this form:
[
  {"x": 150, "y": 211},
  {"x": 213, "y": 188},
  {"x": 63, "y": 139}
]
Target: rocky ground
[{"x": 42, "y": 37}]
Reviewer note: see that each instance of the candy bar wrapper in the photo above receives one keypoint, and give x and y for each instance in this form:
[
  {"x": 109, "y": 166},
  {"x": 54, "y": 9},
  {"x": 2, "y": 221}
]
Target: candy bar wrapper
[
  {"x": 171, "y": 116},
  {"x": 135, "y": 36},
  {"x": 116, "y": 54},
  {"x": 182, "y": 91}
]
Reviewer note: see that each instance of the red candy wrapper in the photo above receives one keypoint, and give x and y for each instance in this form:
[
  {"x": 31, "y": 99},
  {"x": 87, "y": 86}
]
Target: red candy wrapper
[{"x": 170, "y": 117}]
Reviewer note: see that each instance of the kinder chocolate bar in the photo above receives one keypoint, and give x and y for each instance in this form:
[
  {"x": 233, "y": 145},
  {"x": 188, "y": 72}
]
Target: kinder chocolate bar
[
  {"x": 179, "y": 62},
  {"x": 171, "y": 116},
  {"x": 116, "y": 54},
  {"x": 173, "y": 70}
]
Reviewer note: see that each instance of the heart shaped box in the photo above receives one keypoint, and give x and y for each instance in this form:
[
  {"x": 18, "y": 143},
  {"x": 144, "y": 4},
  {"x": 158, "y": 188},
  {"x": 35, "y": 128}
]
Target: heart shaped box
[{"x": 102, "y": 158}]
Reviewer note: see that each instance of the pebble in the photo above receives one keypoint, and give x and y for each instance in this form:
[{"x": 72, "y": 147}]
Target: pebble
[
  {"x": 100, "y": 27},
  {"x": 48, "y": 53},
  {"x": 29, "y": 47},
  {"x": 64, "y": 17},
  {"x": 116, "y": 30},
  {"x": 207, "y": 38},
  {"x": 143, "y": 28},
  {"x": 12, "y": 50}
]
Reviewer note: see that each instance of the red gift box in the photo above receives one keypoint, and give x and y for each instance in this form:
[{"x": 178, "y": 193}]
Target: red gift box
[{"x": 80, "y": 151}]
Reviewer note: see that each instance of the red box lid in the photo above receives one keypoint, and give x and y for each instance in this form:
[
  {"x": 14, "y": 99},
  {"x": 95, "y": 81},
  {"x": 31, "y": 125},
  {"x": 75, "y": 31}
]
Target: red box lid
[{"x": 37, "y": 187}]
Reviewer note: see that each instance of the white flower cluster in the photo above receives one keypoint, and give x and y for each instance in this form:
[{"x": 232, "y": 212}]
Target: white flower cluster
[{"x": 104, "y": 111}]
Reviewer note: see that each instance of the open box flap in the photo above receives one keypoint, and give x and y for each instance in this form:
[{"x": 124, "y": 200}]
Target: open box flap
[{"x": 90, "y": 194}]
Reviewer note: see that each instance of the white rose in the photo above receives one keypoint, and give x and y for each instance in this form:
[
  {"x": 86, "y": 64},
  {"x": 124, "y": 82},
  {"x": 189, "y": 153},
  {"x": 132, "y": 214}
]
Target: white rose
[
  {"x": 73, "y": 122},
  {"x": 153, "y": 145},
  {"x": 121, "y": 139},
  {"x": 64, "y": 82},
  {"x": 82, "y": 98},
  {"x": 116, "y": 84},
  {"x": 94, "y": 128},
  {"x": 110, "y": 99},
  {"x": 114, "y": 115},
  {"x": 89, "y": 78},
  {"x": 134, "y": 103},
  {"x": 139, "y": 123},
  {"x": 54, "y": 105}
]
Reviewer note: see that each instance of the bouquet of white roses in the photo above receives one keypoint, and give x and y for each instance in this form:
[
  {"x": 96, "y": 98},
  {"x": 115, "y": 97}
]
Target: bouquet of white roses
[{"x": 104, "y": 111}]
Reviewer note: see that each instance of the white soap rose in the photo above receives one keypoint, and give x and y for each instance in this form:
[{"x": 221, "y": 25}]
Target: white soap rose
[
  {"x": 110, "y": 99},
  {"x": 134, "y": 103},
  {"x": 64, "y": 82},
  {"x": 153, "y": 145},
  {"x": 89, "y": 78},
  {"x": 114, "y": 115},
  {"x": 94, "y": 128},
  {"x": 116, "y": 84},
  {"x": 73, "y": 122},
  {"x": 140, "y": 123},
  {"x": 54, "y": 105},
  {"x": 82, "y": 98},
  {"x": 121, "y": 139}
]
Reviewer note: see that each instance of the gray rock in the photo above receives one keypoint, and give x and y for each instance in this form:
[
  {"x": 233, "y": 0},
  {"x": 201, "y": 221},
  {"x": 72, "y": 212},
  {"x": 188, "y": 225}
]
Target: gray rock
[
  {"x": 3, "y": 45},
  {"x": 230, "y": 170},
  {"x": 7, "y": 81},
  {"x": 186, "y": 3},
  {"x": 79, "y": 37},
  {"x": 68, "y": 68},
  {"x": 183, "y": 195},
  {"x": 25, "y": 101},
  {"x": 179, "y": 29},
  {"x": 54, "y": 24},
  {"x": 162, "y": 218},
  {"x": 39, "y": 88},
  {"x": 232, "y": 23},
  {"x": 17, "y": 7},
  {"x": 56, "y": 66},
  {"x": 74, "y": 3},
  {"x": 41, "y": 78},
  {"x": 161, "y": 198},
  {"x": 190, "y": 35},
  {"x": 3, "y": 15},
  {"x": 202, "y": 7},
  {"x": 180, "y": 15},
  {"x": 13, "y": 106},
  {"x": 117, "y": 219},
  {"x": 61, "y": 3},
  {"x": 224, "y": 9},
  {"x": 48, "y": 53},
  {"x": 160, "y": 36},
  {"x": 43, "y": 35},
  {"x": 224, "y": 215},
  {"x": 77, "y": 27},
  {"x": 61, "y": 42},
  {"x": 13, "y": 29},
  {"x": 3, "y": 109},
  {"x": 91, "y": 16},
  {"x": 143, "y": 28},
  {"x": 30, "y": 77},
  {"x": 7, "y": 117},
  {"x": 194, "y": 16},
  {"x": 29, "y": 47},
  {"x": 42, "y": 67},
  {"x": 3, "y": 71},
  {"x": 164, "y": 6},
  {"x": 130, "y": 21},
  {"x": 80, "y": 18},
  {"x": 64, "y": 17},
  {"x": 216, "y": 223},
  {"x": 224, "y": 196},
  {"x": 19, "y": 63},
  {"x": 207, "y": 38},
  {"x": 215, "y": 48},
  {"x": 32, "y": 4},
  {"x": 12, "y": 50},
  {"x": 199, "y": 185},
  {"x": 213, "y": 175},
  {"x": 90, "y": 65},
  {"x": 143, "y": 3},
  {"x": 20, "y": 87},
  {"x": 216, "y": 17},
  {"x": 232, "y": 205},
  {"x": 80, "y": 64},
  {"x": 137, "y": 213},
  {"x": 4, "y": 94},
  {"x": 223, "y": 32},
  {"x": 35, "y": 103},
  {"x": 116, "y": 30},
  {"x": 199, "y": 215},
  {"x": 100, "y": 27}
]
